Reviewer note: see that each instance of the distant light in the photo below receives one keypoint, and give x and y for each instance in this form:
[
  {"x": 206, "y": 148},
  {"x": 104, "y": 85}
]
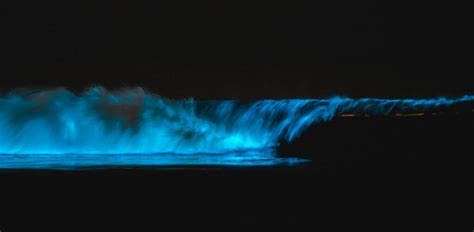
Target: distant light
[
  {"x": 348, "y": 115},
  {"x": 409, "y": 115}
]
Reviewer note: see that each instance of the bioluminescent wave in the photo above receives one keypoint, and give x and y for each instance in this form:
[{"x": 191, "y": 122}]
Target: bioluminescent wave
[{"x": 58, "y": 128}]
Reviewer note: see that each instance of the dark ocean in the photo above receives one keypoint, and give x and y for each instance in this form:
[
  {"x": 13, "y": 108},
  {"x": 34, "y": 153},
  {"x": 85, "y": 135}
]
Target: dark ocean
[{"x": 365, "y": 173}]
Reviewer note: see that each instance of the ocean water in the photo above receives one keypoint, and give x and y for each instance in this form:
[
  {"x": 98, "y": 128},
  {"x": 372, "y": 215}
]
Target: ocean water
[
  {"x": 69, "y": 161},
  {"x": 57, "y": 129}
]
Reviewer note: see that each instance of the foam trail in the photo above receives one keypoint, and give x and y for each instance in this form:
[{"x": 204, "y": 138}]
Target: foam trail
[{"x": 133, "y": 121}]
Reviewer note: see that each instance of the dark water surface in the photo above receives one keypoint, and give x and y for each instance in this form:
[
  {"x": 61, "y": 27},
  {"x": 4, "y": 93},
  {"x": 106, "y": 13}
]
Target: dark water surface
[
  {"x": 377, "y": 174},
  {"x": 158, "y": 161}
]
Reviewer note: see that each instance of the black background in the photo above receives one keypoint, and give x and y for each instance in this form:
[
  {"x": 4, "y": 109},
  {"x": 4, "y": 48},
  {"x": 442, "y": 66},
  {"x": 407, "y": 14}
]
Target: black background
[
  {"x": 240, "y": 49},
  {"x": 404, "y": 174}
]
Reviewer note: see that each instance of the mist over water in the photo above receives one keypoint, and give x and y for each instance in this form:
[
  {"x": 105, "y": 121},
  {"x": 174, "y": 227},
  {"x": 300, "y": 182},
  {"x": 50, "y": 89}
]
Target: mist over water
[{"x": 133, "y": 121}]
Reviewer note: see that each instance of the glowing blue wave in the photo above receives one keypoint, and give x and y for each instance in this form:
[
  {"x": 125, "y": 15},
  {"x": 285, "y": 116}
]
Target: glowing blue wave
[{"x": 133, "y": 121}]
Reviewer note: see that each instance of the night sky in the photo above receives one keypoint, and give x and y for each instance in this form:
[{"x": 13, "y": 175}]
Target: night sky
[{"x": 239, "y": 49}]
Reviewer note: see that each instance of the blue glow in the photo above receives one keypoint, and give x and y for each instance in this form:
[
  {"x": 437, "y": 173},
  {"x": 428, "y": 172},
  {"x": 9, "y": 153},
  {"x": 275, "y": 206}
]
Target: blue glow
[
  {"x": 139, "y": 128},
  {"x": 261, "y": 157}
]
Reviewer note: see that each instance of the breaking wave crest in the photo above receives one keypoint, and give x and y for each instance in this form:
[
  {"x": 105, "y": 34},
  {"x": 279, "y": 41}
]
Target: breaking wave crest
[{"x": 135, "y": 121}]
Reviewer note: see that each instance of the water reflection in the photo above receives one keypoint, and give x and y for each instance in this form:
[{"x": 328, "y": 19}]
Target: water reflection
[{"x": 263, "y": 157}]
